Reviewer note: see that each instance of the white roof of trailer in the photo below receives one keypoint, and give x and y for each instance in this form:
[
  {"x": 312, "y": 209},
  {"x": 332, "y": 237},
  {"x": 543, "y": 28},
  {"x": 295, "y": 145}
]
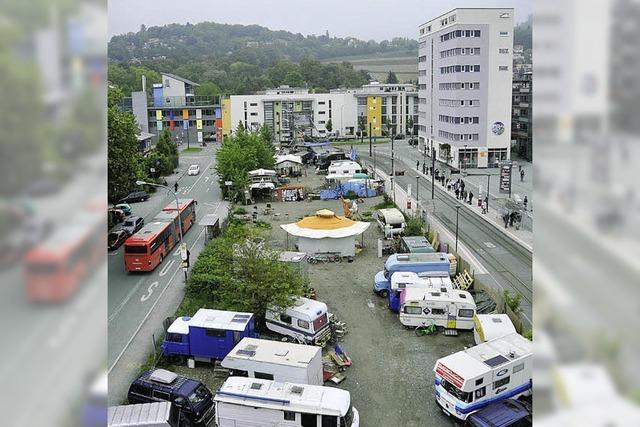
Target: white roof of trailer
[
  {"x": 139, "y": 415},
  {"x": 494, "y": 326},
  {"x": 253, "y": 393},
  {"x": 213, "y": 319},
  {"x": 277, "y": 352},
  {"x": 403, "y": 279},
  {"x": 431, "y": 294}
]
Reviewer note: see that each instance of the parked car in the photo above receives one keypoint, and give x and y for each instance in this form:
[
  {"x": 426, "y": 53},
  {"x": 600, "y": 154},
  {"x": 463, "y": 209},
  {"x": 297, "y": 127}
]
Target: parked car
[
  {"x": 116, "y": 216},
  {"x": 413, "y": 141},
  {"x": 133, "y": 224},
  {"x": 193, "y": 170},
  {"x": 193, "y": 399},
  {"x": 116, "y": 238},
  {"x": 124, "y": 207},
  {"x": 399, "y": 136},
  {"x": 136, "y": 196},
  {"x": 504, "y": 413}
]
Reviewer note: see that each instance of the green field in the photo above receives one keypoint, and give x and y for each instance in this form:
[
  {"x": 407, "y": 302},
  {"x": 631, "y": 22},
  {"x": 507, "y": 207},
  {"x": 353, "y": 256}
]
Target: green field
[{"x": 378, "y": 65}]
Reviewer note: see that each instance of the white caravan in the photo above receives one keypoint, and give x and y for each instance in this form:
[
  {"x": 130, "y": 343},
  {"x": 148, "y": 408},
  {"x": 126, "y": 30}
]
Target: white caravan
[
  {"x": 248, "y": 402},
  {"x": 408, "y": 279},
  {"x": 157, "y": 414},
  {"x": 306, "y": 321},
  {"x": 342, "y": 170},
  {"x": 471, "y": 379},
  {"x": 450, "y": 309},
  {"x": 275, "y": 360},
  {"x": 488, "y": 327}
]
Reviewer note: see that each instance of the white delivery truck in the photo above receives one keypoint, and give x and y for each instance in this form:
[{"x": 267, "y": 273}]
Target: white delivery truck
[
  {"x": 488, "y": 327},
  {"x": 495, "y": 370},
  {"x": 451, "y": 309},
  {"x": 275, "y": 360},
  {"x": 157, "y": 414},
  {"x": 249, "y": 402},
  {"x": 306, "y": 321}
]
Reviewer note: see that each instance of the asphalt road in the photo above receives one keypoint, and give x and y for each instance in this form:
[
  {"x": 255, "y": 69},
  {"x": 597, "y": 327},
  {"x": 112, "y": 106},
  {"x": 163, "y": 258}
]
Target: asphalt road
[
  {"x": 136, "y": 299},
  {"x": 509, "y": 265}
]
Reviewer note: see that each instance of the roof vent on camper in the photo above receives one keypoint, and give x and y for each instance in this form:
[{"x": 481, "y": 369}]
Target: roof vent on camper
[
  {"x": 297, "y": 389},
  {"x": 240, "y": 318},
  {"x": 256, "y": 386},
  {"x": 462, "y": 295},
  {"x": 443, "y": 290},
  {"x": 163, "y": 376},
  {"x": 186, "y": 318},
  {"x": 512, "y": 354},
  {"x": 496, "y": 320},
  {"x": 403, "y": 257}
]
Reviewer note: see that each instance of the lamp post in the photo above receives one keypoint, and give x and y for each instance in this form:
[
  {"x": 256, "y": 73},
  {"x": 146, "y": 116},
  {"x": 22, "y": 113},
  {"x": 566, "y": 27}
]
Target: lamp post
[
  {"x": 457, "y": 212},
  {"x": 433, "y": 170},
  {"x": 465, "y": 158},
  {"x": 417, "y": 190},
  {"x": 174, "y": 195}
]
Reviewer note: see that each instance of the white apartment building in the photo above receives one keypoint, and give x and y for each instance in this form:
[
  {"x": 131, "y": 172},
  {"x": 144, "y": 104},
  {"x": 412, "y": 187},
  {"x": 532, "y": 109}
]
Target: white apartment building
[{"x": 465, "y": 60}]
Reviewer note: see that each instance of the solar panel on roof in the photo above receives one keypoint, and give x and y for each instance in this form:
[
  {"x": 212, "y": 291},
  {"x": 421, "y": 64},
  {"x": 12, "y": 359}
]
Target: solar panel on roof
[
  {"x": 241, "y": 318},
  {"x": 256, "y": 386},
  {"x": 297, "y": 389},
  {"x": 496, "y": 361},
  {"x": 244, "y": 352}
]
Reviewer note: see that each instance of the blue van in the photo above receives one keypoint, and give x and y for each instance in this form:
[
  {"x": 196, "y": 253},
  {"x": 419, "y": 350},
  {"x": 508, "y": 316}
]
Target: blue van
[
  {"x": 436, "y": 262},
  {"x": 207, "y": 336},
  {"x": 505, "y": 413}
]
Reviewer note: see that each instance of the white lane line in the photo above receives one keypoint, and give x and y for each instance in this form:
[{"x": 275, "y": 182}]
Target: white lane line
[
  {"x": 115, "y": 362},
  {"x": 166, "y": 268},
  {"x": 125, "y": 300}
]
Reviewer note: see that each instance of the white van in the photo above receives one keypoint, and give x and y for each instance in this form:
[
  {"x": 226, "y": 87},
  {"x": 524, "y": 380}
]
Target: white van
[
  {"x": 423, "y": 306},
  {"x": 157, "y": 414},
  {"x": 471, "y": 379},
  {"x": 275, "y": 360},
  {"x": 488, "y": 327},
  {"x": 306, "y": 321},
  {"x": 249, "y": 402}
]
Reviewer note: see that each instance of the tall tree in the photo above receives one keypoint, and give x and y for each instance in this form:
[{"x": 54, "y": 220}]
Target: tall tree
[
  {"x": 329, "y": 125},
  {"x": 392, "y": 78}
]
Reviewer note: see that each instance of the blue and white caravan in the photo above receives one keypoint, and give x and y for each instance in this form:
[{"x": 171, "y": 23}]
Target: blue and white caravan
[
  {"x": 471, "y": 379},
  {"x": 408, "y": 279},
  {"x": 306, "y": 321}
]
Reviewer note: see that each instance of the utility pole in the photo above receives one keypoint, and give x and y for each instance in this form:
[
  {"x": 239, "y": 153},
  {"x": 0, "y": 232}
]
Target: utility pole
[
  {"x": 370, "y": 141},
  {"x": 457, "y": 212},
  {"x": 393, "y": 171},
  {"x": 417, "y": 199},
  {"x": 433, "y": 171},
  {"x": 488, "y": 182}
]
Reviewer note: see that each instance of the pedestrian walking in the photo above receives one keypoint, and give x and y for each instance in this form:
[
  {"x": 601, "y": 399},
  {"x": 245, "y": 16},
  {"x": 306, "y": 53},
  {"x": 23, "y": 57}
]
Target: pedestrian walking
[
  {"x": 470, "y": 198},
  {"x": 175, "y": 186},
  {"x": 457, "y": 191},
  {"x": 521, "y": 175},
  {"x": 484, "y": 207},
  {"x": 512, "y": 217},
  {"x": 524, "y": 202},
  {"x": 464, "y": 195},
  {"x": 417, "y": 165},
  {"x": 505, "y": 218},
  {"x": 462, "y": 184}
]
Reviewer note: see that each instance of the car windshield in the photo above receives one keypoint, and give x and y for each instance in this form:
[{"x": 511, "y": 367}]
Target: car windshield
[
  {"x": 113, "y": 237},
  {"x": 128, "y": 223},
  {"x": 198, "y": 396},
  {"x": 193, "y": 167}
]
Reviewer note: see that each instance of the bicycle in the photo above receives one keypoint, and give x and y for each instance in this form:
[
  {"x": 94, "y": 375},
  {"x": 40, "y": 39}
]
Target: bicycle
[{"x": 424, "y": 330}]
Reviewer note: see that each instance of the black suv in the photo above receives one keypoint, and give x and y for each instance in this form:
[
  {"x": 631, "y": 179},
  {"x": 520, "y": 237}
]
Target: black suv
[
  {"x": 192, "y": 398},
  {"x": 136, "y": 196}
]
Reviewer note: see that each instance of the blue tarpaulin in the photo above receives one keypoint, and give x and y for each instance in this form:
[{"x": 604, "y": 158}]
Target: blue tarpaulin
[{"x": 342, "y": 189}]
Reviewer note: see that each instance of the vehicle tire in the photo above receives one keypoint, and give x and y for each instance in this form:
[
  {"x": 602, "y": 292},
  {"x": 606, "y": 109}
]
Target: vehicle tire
[{"x": 384, "y": 293}]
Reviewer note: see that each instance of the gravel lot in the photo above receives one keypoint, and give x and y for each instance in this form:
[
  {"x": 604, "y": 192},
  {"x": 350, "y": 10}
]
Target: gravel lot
[{"x": 391, "y": 380}]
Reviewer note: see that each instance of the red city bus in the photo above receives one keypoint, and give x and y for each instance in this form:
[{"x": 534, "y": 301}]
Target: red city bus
[
  {"x": 187, "y": 212},
  {"x": 57, "y": 267},
  {"x": 146, "y": 249}
]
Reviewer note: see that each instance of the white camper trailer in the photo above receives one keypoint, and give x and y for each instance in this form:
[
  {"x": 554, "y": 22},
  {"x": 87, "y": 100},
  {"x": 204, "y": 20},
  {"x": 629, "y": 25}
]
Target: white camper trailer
[
  {"x": 391, "y": 221},
  {"x": 342, "y": 170},
  {"x": 157, "y": 414},
  {"x": 306, "y": 321},
  {"x": 275, "y": 360},
  {"x": 471, "y": 379},
  {"x": 488, "y": 327},
  {"x": 424, "y": 306},
  {"x": 408, "y": 279},
  {"x": 248, "y": 402}
]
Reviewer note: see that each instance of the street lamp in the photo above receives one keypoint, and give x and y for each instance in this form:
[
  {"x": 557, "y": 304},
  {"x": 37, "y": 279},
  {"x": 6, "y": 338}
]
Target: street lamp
[
  {"x": 174, "y": 195},
  {"x": 417, "y": 189},
  {"x": 457, "y": 212}
]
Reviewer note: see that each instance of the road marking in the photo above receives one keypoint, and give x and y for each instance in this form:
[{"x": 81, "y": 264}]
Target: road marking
[
  {"x": 125, "y": 300},
  {"x": 150, "y": 289},
  {"x": 489, "y": 245},
  {"x": 115, "y": 362},
  {"x": 166, "y": 268}
]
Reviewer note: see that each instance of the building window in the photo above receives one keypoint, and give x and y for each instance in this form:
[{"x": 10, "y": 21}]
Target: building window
[
  {"x": 320, "y": 102},
  {"x": 481, "y": 392},
  {"x": 303, "y": 324},
  {"x": 253, "y": 104},
  {"x": 254, "y": 114},
  {"x": 500, "y": 383},
  {"x": 505, "y": 50},
  {"x": 289, "y": 416},
  {"x": 504, "y": 33},
  {"x": 503, "y": 68},
  {"x": 285, "y": 318}
]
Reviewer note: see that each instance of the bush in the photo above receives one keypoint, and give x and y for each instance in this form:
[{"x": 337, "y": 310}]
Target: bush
[
  {"x": 513, "y": 302},
  {"x": 238, "y": 210},
  {"x": 528, "y": 334},
  {"x": 386, "y": 203},
  {"x": 414, "y": 226}
]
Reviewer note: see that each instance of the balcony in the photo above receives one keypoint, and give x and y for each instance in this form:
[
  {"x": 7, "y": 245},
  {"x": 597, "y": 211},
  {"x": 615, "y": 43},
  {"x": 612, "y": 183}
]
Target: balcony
[{"x": 184, "y": 101}]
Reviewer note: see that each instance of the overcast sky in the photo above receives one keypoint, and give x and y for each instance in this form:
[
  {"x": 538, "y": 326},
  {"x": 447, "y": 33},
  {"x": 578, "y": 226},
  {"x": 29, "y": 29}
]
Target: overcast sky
[{"x": 364, "y": 19}]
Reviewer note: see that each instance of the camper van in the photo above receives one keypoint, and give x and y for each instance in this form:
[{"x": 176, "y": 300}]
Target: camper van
[
  {"x": 471, "y": 379},
  {"x": 450, "y": 309},
  {"x": 407, "y": 279},
  {"x": 343, "y": 170},
  {"x": 488, "y": 327},
  {"x": 208, "y": 335},
  {"x": 249, "y": 402},
  {"x": 391, "y": 221},
  {"x": 275, "y": 360},
  {"x": 434, "y": 264},
  {"x": 306, "y": 321},
  {"x": 157, "y": 414}
]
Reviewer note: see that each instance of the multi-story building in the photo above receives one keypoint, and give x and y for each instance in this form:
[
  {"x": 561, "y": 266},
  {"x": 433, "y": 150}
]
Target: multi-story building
[
  {"x": 521, "y": 129},
  {"x": 465, "y": 59},
  {"x": 173, "y": 105},
  {"x": 294, "y": 112}
]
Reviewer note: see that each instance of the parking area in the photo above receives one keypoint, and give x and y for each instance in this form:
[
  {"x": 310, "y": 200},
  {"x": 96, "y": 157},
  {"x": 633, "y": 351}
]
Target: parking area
[{"x": 391, "y": 380}]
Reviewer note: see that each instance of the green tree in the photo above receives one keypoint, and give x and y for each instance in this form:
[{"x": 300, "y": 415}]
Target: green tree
[
  {"x": 240, "y": 129},
  {"x": 392, "y": 78},
  {"x": 208, "y": 89},
  {"x": 168, "y": 149},
  {"x": 240, "y": 272},
  {"x": 329, "y": 125},
  {"x": 362, "y": 126},
  {"x": 266, "y": 133},
  {"x": 124, "y": 164}
]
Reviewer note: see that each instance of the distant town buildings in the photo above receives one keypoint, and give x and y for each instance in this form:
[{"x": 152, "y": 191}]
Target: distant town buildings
[
  {"x": 521, "y": 123},
  {"x": 465, "y": 60}
]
